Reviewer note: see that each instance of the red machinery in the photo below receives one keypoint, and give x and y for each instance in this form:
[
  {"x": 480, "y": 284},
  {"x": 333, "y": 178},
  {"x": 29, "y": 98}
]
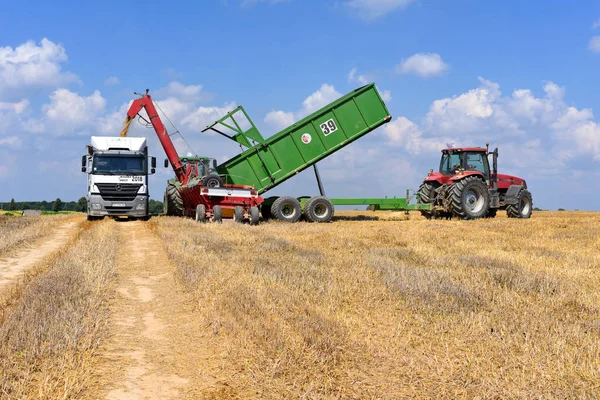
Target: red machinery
[
  {"x": 197, "y": 190},
  {"x": 466, "y": 188}
]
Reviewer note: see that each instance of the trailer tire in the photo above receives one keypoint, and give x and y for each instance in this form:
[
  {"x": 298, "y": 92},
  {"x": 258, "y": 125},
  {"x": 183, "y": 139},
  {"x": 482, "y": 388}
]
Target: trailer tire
[
  {"x": 173, "y": 201},
  {"x": 200, "y": 213},
  {"x": 212, "y": 181},
  {"x": 254, "y": 216},
  {"x": 318, "y": 209},
  {"x": 286, "y": 209},
  {"x": 426, "y": 194},
  {"x": 469, "y": 198},
  {"x": 524, "y": 206},
  {"x": 217, "y": 214},
  {"x": 238, "y": 214}
]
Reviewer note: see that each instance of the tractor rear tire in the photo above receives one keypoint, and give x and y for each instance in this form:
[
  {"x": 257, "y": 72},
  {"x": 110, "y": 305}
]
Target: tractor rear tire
[
  {"x": 524, "y": 206},
  {"x": 173, "y": 201},
  {"x": 287, "y": 209},
  {"x": 426, "y": 194},
  {"x": 254, "y": 216},
  {"x": 238, "y": 214},
  {"x": 217, "y": 214},
  {"x": 469, "y": 198},
  {"x": 318, "y": 209}
]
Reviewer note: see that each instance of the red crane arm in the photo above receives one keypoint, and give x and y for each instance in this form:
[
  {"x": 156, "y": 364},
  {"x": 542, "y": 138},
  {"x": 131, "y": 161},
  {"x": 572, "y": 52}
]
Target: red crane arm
[{"x": 145, "y": 102}]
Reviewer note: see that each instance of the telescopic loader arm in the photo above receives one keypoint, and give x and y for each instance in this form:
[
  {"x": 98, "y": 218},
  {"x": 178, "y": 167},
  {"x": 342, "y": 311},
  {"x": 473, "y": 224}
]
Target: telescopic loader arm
[{"x": 145, "y": 102}]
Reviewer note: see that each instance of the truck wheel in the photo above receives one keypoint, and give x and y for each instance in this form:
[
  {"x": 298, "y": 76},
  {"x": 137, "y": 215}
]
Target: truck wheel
[
  {"x": 238, "y": 214},
  {"x": 254, "y": 217},
  {"x": 217, "y": 214},
  {"x": 469, "y": 198},
  {"x": 286, "y": 209},
  {"x": 212, "y": 181},
  {"x": 200, "y": 213},
  {"x": 426, "y": 194},
  {"x": 318, "y": 209},
  {"x": 173, "y": 201},
  {"x": 524, "y": 206}
]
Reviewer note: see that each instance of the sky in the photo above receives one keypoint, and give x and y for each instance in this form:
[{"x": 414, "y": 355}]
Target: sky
[{"x": 521, "y": 75}]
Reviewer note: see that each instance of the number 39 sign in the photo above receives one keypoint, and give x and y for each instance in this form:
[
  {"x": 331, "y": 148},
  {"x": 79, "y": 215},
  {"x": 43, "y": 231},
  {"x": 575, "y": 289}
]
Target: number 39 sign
[{"x": 328, "y": 127}]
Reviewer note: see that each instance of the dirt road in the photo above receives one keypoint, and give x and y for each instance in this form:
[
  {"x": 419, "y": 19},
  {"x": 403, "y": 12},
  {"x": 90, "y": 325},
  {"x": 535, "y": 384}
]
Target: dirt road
[
  {"x": 156, "y": 349},
  {"x": 12, "y": 267}
]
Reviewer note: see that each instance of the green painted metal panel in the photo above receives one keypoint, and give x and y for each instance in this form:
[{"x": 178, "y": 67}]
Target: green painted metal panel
[{"x": 271, "y": 161}]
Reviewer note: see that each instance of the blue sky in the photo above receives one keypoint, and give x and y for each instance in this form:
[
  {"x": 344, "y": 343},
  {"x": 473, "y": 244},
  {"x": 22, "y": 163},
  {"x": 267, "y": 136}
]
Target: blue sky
[{"x": 521, "y": 75}]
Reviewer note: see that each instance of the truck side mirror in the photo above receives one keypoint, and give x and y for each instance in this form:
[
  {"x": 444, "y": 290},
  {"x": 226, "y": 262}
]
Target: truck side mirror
[
  {"x": 83, "y": 162},
  {"x": 153, "y": 162},
  {"x": 166, "y": 163}
]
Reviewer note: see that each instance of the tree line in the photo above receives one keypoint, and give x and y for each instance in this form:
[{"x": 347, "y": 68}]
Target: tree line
[{"x": 154, "y": 206}]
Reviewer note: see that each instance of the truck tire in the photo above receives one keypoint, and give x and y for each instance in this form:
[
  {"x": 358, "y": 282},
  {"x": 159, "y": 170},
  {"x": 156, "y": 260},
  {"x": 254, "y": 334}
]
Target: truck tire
[
  {"x": 286, "y": 209},
  {"x": 426, "y": 194},
  {"x": 469, "y": 198},
  {"x": 254, "y": 216},
  {"x": 238, "y": 214},
  {"x": 318, "y": 209},
  {"x": 200, "y": 213},
  {"x": 217, "y": 214},
  {"x": 173, "y": 202},
  {"x": 212, "y": 181},
  {"x": 524, "y": 206}
]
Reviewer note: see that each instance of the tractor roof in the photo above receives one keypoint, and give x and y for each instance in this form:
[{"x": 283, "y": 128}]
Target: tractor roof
[{"x": 474, "y": 149}]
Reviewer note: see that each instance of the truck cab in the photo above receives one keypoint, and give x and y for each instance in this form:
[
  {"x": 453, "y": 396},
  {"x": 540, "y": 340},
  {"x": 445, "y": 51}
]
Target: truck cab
[{"x": 117, "y": 177}]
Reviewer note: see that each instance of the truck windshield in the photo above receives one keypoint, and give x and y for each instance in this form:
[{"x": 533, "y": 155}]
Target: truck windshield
[
  {"x": 118, "y": 165},
  {"x": 451, "y": 162}
]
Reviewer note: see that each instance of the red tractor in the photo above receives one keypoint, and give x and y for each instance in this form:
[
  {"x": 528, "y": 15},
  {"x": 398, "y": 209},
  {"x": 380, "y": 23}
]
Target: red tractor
[{"x": 466, "y": 188}]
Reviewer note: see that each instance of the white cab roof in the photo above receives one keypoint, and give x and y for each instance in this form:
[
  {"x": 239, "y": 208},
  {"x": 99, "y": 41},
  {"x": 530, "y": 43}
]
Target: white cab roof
[{"x": 104, "y": 143}]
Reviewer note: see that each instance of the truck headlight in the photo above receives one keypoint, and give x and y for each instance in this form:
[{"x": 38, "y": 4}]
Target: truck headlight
[
  {"x": 96, "y": 206},
  {"x": 140, "y": 207}
]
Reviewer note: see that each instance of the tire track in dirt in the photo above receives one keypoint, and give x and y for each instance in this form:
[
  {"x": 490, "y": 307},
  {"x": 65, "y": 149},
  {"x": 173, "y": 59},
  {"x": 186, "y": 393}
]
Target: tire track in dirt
[
  {"x": 12, "y": 267},
  {"x": 156, "y": 347}
]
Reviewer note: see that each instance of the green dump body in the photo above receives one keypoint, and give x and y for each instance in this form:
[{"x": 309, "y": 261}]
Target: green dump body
[{"x": 269, "y": 162}]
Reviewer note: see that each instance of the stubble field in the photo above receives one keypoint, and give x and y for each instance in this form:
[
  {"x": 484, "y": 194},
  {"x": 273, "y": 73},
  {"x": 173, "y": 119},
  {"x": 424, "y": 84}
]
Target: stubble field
[{"x": 364, "y": 307}]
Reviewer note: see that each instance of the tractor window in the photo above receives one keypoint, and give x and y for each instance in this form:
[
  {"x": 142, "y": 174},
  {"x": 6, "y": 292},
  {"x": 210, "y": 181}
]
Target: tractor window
[
  {"x": 451, "y": 162},
  {"x": 478, "y": 162}
]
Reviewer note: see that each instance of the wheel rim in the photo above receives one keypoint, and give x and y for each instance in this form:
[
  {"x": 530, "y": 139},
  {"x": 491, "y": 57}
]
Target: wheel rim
[
  {"x": 288, "y": 210},
  {"x": 321, "y": 210},
  {"x": 212, "y": 183},
  {"x": 474, "y": 201},
  {"x": 525, "y": 206}
]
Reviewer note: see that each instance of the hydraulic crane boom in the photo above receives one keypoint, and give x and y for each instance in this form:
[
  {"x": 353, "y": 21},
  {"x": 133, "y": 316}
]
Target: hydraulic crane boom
[{"x": 145, "y": 102}]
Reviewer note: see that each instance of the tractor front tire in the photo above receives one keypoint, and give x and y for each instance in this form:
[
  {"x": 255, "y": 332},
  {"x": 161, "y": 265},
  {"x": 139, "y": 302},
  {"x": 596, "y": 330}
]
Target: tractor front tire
[
  {"x": 318, "y": 209},
  {"x": 286, "y": 209},
  {"x": 469, "y": 198},
  {"x": 173, "y": 201},
  {"x": 524, "y": 206},
  {"x": 426, "y": 195}
]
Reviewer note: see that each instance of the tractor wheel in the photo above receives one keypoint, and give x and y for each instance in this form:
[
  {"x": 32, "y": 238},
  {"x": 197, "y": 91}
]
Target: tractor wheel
[
  {"x": 469, "y": 198},
  {"x": 200, "y": 213},
  {"x": 286, "y": 209},
  {"x": 426, "y": 194},
  {"x": 524, "y": 206},
  {"x": 217, "y": 214},
  {"x": 318, "y": 209},
  {"x": 238, "y": 214},
  {"x": 212, "y": 181},
  {"x": 254, "y": 216},
  {"x": 491, "y": 213},
  {"x": 173, "y": 201}
]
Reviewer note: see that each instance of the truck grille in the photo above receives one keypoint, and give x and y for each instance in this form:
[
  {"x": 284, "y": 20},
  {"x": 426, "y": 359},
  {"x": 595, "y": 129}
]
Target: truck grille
[{"x": 118, "y": 191}]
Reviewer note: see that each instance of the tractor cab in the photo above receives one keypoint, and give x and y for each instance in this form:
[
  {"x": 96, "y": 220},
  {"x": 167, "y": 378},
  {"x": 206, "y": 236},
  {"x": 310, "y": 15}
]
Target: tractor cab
[{"x": 461, "y": 160}]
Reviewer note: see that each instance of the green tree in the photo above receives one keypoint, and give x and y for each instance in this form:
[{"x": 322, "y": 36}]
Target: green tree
[
  {"x": 57, "y": 205},
  {"x": 82, "y": 202},
  {"x": 24, "y": 205},
  {"x": 11, "y": 205}
]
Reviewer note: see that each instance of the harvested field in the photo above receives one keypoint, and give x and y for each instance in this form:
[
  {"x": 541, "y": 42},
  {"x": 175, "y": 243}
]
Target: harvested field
[{"x": 17, "y": 232}]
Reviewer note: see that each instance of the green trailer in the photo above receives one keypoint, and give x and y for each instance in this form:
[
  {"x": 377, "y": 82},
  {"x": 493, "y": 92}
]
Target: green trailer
[{"x": 266, "y": 163}]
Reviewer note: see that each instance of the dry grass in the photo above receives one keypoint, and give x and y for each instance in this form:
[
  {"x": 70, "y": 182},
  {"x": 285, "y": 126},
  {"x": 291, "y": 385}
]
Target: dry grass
[
  {"x": 16, "y": 232},
  {"x": 394, "y": 308},
  {"x": 49, "y": 336}
]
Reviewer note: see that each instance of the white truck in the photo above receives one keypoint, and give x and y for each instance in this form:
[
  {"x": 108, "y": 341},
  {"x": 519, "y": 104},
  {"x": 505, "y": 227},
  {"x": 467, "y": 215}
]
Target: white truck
[{"x": 117, "y": 177}]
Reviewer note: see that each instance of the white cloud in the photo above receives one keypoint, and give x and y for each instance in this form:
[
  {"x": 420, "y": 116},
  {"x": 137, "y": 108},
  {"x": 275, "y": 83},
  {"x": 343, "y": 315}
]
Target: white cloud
[
  {"x": 594, "y": 44},
  {"x": 248, "y": 3},
  {"x": 10, "y": 141},
  {"x": 203, "y": 116},
  {"x": 189, "y": 93},
  {"x": 359, "y": 79},
  {"x": 370, "y": 10},
  {"x": 596, "y": 24},
  {"x": 30, "y": 65},
  {"x": 280, "y": 119},
  {"x": 17, "y": 108},
  {"x": 111, "y": 81},
  {"x": 69, "y": 111},
  {"x": 386, "y": 95},
  {"x": 424, "y": 65},
  {"x": 402, "y": 132}
]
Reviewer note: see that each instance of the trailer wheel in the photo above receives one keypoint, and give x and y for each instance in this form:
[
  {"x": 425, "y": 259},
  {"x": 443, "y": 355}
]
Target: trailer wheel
[
  {"x": 200, "y": 213},
  {"x": 212, "y": 181},
  {"x": 286, "y": 209},
  {"x": 469, "y": 198},
  {"x": 238, "y": 214},
  {"x": 254, "y": 217},
  {"x": 524, "y": 206},
  {"x": 217, "y": 214},
  {"x": 173, "y": 201},
  {"x": 318, "y": 209}
]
